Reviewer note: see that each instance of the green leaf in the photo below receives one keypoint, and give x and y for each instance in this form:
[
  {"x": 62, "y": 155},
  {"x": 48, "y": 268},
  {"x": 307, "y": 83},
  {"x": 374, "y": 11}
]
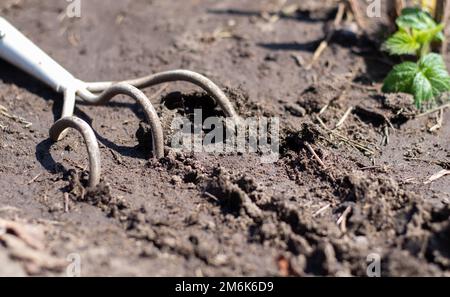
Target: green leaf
[
  {"x": 428, "y": 35},
  {"x": 428, "y": 78},
  {"x": 421, "y": 26},
  {"x": 401, "y": 43},
  {"x": 432, "y": 60},
  {"x": 421, "y": 89},
  {"x": 400, "y": 79},
  {"x": 410, "y": 10},
  {"x": 440, "y": 37},
  {"x": 415, "y": 19},
  {"x": 434, "y": 69},
  {"x": 425, "y": 79},
  {"x": 437, "y": 32}
]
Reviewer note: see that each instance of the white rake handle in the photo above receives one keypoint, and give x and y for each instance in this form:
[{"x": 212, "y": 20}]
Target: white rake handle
[{"x": 18, "y": 50}]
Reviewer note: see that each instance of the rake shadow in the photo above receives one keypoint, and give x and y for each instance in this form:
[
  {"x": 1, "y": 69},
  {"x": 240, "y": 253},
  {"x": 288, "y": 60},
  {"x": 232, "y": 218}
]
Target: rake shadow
[{"x": 11, "y": 75}]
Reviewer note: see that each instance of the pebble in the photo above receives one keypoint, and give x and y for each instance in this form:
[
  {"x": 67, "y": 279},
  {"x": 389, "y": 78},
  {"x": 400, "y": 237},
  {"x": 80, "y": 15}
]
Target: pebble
[{"x": 295, "y": 109}]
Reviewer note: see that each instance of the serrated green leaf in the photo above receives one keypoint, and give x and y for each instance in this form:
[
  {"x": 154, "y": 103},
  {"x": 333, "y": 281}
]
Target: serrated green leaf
[
  {"x": 421, "y": 89},
  {"x": 428, "y": 78},
  {"x": 425, "y": 79},
  {"x": 434, "y": 69},
  {"x": 421, "y": 26},
  {"x": 432, "y": 60},
  {"x": 415, "y": 19},
  {"x": 400, "y": 79},
  {"x": 428, "y": 35},
  {"x": 401, "y": 43}
]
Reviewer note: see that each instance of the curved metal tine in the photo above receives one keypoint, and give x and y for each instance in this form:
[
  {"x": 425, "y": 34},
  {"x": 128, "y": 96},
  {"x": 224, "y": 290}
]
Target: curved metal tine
[
  {"x": 169, "y": 76},
  {"x": 68, "y": 108},
  {"x": 150, "y": 112},
  {"x": 91, "y": 143}
]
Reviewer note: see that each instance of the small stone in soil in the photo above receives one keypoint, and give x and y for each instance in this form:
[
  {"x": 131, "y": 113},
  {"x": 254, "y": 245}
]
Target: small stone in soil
[{"x": 295, "y": 109}]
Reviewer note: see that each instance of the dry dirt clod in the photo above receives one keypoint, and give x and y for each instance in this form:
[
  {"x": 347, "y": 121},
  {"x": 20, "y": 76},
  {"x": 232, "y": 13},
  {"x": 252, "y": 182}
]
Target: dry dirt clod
[
  {"x": 178, "y": 215},
  {"x": 25, "y": 243},
  {"x": 28, "y": 234},
  {"x": 9, "y": 267}
]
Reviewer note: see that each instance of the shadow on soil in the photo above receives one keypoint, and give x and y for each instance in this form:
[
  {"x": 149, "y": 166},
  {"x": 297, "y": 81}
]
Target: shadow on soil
[
  {"x": 300, "y": 15},
  {"x": 10, "y": 74}
]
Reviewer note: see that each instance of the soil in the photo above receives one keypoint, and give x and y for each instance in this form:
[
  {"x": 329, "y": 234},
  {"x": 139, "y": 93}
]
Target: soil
[{"x": 229, "y": 214}]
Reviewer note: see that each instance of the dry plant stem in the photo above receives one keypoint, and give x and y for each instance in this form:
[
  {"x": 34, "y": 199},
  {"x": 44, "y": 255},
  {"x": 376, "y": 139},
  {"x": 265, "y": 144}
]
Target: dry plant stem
[
  {"x": 318, "y": 52},
  {"x": 211, "y": 196},
  {"x": 394, "y": 9},
  {"x": 440, "y": 121},
  {"x": 367, "y": 88},
  {"x": 343, "y": 218},
  {"x": 339, "y": 98},
  {"x": 34, "y": 179},
  {"x": 359, "y": 17},
  {"x": 66, "y": 202},
  {"x": 442, "y": 107},
  {"x": 437, "y": 176},
  {"x": 371, "y": 167},
  {"x": 386, "y": 135},
  {"x": 344, "y": 117},
  {"x": 313, "y": 152},
  {"x": 324, "y": 44},
  {"x": 323, "y": 109},
  {"x": 447, "y": 15},
  {"x": 442, "y": 15},
  {"x": 163, "y": 77},
  {"x": 399, "y": 5},
  {"x": 340, "y": 14},
  {"x": 5, "y": 113},
  {"x": 90, "y": 140},
  {"x": 443, "y": 164},
  {"x": 345, "y": 139},
  {"x": 439, "y": 11},
  {"x": 321, "y": 210}
]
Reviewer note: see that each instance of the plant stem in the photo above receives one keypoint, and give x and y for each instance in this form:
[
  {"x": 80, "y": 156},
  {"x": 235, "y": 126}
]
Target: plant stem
[{"x": 424, "y": 50}]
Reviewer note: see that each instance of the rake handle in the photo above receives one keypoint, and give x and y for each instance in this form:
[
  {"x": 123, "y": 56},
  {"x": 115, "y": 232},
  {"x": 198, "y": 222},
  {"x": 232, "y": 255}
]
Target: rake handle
[{"x": 18, "y": 50}]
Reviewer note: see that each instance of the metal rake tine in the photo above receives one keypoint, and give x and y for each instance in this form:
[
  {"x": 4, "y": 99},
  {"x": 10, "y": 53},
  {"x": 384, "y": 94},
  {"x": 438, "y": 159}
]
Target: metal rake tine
[
  {"x": 91, "y": 143},
  {"x": 168, "y": 76},
  {"x": 149, "y": 110},
  {"x": 68, "y": 109}
]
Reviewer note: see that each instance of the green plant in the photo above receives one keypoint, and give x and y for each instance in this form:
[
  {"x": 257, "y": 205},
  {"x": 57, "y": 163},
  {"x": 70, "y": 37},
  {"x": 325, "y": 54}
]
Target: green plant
[{"x": 426, "y": 78}]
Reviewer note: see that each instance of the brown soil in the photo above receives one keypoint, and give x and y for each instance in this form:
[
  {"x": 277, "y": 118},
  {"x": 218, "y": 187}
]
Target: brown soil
[{"x": 215, "y": 215}]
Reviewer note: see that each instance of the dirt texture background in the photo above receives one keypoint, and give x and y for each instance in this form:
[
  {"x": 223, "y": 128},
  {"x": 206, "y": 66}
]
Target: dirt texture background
[{"x": 220, "y": 215}]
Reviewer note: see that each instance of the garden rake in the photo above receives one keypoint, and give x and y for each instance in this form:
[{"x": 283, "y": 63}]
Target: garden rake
[{"x": 18, "y": 50}]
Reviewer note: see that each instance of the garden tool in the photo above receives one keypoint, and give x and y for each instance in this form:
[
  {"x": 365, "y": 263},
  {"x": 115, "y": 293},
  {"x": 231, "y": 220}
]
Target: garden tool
[{"x": 18, "y": 50}]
